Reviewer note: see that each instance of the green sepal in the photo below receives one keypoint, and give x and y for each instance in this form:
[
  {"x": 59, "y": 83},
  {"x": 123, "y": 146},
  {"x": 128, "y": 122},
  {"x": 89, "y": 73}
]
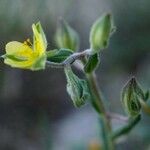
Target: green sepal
[
  {"x": 100, "y": 33},
  {"x": 66, "y": 36},
  {"x": 138, "y": 89},
  {"x": 146, "y": 95},
  {"x": 92, "y": 63},
  {"x": 58, "y": 55},
  {"x": 39, "y": 63},
  {"x": 77, "y": 88},
  {"x": 14, "y": 58}
]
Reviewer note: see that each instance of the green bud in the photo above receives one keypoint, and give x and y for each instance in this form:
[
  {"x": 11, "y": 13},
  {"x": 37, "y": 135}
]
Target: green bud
[
  {"x": 100, "y": 33},
  {"x": 76, "y": 88},
  {"x": 66, "y": 37},
  {"x": 131, "y": 96}
]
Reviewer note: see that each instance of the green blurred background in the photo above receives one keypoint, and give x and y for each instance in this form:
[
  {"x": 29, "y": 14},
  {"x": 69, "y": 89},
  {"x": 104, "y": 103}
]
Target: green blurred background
[{"x": 35, "y": 111}]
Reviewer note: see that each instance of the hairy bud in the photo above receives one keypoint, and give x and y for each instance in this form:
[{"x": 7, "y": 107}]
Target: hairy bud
[
  {"x": 66, "y": 37},
  {"x": 131, "y": 95},
  {"x": 100, "y": 33}
]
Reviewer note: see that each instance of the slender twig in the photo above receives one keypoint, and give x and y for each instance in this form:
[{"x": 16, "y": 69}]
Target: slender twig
[
  {"x": 70, "y": 60},
  {"x": 95, "y": 92},
  {"x": 106, "y": 141},
  {"x": 112, "y": 115},
  {"x": 126, "y": 128},
  {"x": 97, "y": 102}
]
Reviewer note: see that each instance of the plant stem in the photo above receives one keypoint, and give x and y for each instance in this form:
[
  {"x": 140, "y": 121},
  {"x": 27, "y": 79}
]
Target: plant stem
[
  {"x": 70, "y": 60},
  {"x": 97, "y": 100},
  {"x": 116, "y": 116},
  {"x": 97, "y": 103}
]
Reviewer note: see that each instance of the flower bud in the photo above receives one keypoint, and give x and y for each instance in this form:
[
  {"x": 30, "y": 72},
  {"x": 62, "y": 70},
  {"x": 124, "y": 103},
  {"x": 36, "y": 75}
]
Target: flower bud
[
  {"x": 76, "y": 88},
  {"x": 66, "y": 37},
  {"x": 131, "y": 95},
  {"x": 100, "y": 33}
]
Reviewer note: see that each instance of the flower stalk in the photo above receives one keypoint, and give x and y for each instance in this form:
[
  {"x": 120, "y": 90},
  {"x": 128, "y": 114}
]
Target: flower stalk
[{"x": 97, "y": 103}]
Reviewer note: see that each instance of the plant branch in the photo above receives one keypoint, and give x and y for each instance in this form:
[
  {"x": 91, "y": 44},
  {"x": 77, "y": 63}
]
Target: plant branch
[
  {"x": 116, "y": 116},
  {"x": 97, "y": 102},
  {"x": 127, "y": 128},
  {"x": 70, "y": 60},
  {"x": 95, "y": 92}
]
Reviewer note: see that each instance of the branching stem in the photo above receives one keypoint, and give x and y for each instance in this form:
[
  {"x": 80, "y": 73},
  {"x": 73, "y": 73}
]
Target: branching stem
[
  {"x": 97, "y": 102},
  {"x": 70, "y": 60},
  {"x": 96, "y": 98}
]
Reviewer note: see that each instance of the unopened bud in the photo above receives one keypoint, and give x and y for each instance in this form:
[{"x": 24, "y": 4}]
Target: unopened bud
[
  {"x": 100, "y": 33},
  {"x": 131, "y": 95},
  {"x": 66, "y": 37}
]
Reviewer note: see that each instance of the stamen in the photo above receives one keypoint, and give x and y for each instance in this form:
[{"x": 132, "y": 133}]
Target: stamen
[{"x": 28, "y": 42}]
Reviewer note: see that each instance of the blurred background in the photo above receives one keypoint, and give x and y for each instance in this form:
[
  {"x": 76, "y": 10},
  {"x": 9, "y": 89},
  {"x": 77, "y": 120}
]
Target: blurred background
[{"x": 35, "y": 111}]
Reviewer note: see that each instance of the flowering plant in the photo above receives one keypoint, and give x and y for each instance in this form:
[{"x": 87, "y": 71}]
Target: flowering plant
[{"x": 36, "y": 57}]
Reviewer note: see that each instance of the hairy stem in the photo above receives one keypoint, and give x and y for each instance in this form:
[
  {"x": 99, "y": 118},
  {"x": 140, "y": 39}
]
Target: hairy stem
[
  {"x": 96, "y": 100},
  {"x": 70, "y": 60},
  {"x": 112, "y": 115}
]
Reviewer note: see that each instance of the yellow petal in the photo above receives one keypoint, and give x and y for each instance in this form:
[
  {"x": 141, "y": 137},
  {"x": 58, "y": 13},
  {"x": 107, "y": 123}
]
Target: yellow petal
[
  {"x": 18, "y": 49},
  {"x": 39, "y": 42}
]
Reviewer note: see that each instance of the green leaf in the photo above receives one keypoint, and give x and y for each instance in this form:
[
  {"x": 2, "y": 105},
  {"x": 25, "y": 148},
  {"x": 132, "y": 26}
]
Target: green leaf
[
  {"x": 92, "y": 63},
  {"x": 58, "y": 55},
  {"x": 77, "y": 88},
  {"x": 66, "y": 37},
  {"x": 100, "y": 33},
  {"x": 131, "y": 96}
]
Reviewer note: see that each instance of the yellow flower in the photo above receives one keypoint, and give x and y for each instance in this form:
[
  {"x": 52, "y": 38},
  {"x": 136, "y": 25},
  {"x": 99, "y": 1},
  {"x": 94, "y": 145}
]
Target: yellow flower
[{"x": 25, "y": 55}]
